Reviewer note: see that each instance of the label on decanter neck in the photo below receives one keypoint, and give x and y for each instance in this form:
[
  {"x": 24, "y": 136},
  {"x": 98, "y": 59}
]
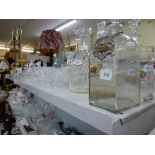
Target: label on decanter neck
[
  {"x": 106, "y": 74},
  {"x": 103, "y": 47},
  {"x": 77, "y": 62}
]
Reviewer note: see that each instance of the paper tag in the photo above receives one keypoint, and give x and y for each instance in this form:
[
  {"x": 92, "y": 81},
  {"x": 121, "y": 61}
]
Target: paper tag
[
  {"x": 131, "y": 72},
  {"x": 18, "y": 70},
  {"x": 106, "y": 74},
  {"x": 148, "y": 67},
  {"x": 77, "y": 62}
]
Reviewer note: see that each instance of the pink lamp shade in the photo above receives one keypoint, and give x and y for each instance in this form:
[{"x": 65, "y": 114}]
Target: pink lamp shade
[{"x": 50, "y": 39}]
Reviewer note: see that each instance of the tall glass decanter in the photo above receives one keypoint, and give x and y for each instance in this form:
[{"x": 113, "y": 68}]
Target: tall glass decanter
[
  {"x": 114, "y": 70},
  {"x": 79, "y": 65},
  {"x": 146, "y": 64}
]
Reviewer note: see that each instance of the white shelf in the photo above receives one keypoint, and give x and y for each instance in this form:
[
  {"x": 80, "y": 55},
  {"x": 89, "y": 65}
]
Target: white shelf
[{"x": 138, "y": 120}]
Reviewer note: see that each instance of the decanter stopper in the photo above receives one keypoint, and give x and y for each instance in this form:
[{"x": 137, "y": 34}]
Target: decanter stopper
[
  {"x": 82, "y": 37},
  {"x": 134, "y": 26}
]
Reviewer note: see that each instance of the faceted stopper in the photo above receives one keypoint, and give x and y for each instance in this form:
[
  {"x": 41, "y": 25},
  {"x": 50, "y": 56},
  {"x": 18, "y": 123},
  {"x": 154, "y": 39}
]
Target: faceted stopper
[
  {"x": 134, "y": 26},
  {"x": 102, "y": 30},
  {"x": 83, "y": 31},
  {"x": 115, "y": 26},
  {"x": 82, "y": 37}
]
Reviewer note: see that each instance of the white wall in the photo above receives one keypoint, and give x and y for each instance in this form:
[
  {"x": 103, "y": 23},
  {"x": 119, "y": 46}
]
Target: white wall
[{"x": 147, "y": 32}]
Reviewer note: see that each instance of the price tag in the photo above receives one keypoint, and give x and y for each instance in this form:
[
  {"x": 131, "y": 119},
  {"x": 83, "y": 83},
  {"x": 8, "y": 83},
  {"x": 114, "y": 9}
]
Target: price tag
[
  {"x": 131, "y": 72},
  {"x": 148, "y": 68},
  {"x": 106, "y": 74}
]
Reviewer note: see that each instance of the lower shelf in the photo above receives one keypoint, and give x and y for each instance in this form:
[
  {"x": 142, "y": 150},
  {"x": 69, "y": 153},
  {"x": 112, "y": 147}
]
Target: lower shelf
[{"x": 138, "y": 120}]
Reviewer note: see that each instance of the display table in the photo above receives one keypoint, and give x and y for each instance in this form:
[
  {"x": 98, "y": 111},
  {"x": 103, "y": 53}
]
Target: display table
[{"x": 138, "y": 120}]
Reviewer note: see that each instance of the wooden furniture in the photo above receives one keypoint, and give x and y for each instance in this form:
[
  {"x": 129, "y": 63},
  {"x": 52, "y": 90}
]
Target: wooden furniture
[
  {"x": 3, "y": 73},
  {"x": 15, "y": 55}
]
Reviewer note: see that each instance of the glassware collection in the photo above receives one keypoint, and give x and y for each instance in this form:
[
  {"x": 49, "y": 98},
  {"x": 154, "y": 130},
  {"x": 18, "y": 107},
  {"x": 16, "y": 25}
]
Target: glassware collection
[
  {"x": 33, "y": 118},
  {"x": 116, "y": 72}
]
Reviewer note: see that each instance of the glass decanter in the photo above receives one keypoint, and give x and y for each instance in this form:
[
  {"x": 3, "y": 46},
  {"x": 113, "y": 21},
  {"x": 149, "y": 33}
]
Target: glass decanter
[
  {"x": 103, "y": 47},
  {"x": 79, "y": 65},
  {"x": 146, "y": 74},
  {"x": 115, "y": 84},
  {"x": 146, "y": 64}
]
